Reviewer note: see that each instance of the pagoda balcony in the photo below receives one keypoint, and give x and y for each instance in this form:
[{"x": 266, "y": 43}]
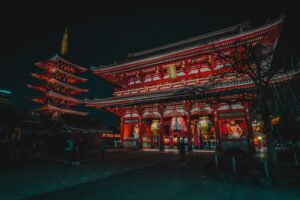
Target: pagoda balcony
[
  {"x": 59, "y": 75},
  {"x": 76, "y": 78},
  {"x": 50, "y": 109},
  {"x": 59, "y": 62},
  {"x": 74, "y": 90},
  {"x": 58, "y": 86},
  {"x": 57, "y": 97}
]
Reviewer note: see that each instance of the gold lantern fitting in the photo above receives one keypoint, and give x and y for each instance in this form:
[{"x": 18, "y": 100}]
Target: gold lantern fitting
[
  {"x": 204, "y": 125},
  {"x": 155, "y": 127}
]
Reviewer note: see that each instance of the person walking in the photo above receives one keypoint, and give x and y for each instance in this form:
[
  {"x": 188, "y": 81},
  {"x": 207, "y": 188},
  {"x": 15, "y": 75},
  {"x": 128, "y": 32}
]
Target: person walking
[
  {"x": 82, "y": 146},
  {"x": 69, "y": 150},
  {"x": 102, "y": 148},
  {"x": 75, "y": 154}
]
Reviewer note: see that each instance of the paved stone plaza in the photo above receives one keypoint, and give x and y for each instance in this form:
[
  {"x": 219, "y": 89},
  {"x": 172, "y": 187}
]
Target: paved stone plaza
[{"x": 130, "y": 175}]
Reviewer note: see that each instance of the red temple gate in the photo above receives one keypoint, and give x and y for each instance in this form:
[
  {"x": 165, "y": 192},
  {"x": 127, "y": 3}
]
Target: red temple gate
[{"x": 187, "y": 80}]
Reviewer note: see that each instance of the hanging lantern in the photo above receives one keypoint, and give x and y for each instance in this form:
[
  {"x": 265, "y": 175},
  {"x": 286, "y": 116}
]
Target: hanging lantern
[
  {"x": 275, "y": 120},
  {"x": 155, "y": 127},
  {"x": 178, "y": 124},
  {"x": 204, "y": 125}
]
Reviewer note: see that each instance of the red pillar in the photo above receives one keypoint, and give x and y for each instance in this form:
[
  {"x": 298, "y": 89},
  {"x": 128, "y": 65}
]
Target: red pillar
[
  {"x": 171, "y": 142},
  {"x": 140, "y": 130},
  {"x": 250, "y": 136},
  {"x": 162, "y": 129},
  {"x": 187, "y": 105},
  {"x": 122, "y": 130},
  {"x": 217, "y": 129},
  {"x": 196, "y": 138},
  {"x": 201, "y": 140},
  {"x": 152, "y": 140},
  {"x": 161, "y": 134}
]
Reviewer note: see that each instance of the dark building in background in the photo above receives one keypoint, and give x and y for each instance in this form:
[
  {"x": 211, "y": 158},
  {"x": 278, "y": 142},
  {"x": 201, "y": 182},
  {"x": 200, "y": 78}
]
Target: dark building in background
[
  {"x": 11, "y": 129},
  {"x": 5, "y": 97}
]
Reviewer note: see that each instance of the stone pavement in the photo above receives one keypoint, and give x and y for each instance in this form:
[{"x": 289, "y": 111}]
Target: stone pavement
[
  {"x": 25, "y": 181},
  {"x": 168, "y": 180},
  {"x": 135, "y": 175}
]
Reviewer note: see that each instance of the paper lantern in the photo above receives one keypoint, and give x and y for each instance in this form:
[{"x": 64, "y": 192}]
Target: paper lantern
[{"x": 178, "y": 124}]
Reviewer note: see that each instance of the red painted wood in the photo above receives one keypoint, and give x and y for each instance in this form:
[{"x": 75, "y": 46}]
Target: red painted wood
[
  {"x": 196, "y": 137},
  {"x": 122, "y": 131},
  {"x": 217, "y": 129},
  {"x": 187, "y": 107}
]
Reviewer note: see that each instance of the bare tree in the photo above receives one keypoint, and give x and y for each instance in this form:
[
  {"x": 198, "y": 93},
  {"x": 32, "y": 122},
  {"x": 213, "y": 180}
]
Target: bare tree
[{"x": 255, "y": 62}]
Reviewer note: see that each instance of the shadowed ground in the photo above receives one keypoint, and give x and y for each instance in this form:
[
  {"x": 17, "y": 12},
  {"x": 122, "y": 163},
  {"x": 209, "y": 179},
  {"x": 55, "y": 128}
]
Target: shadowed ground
[{"x": 151, "y": 175}]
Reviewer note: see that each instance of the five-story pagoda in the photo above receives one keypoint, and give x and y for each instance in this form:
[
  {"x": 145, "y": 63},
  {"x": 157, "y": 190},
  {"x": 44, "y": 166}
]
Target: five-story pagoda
[{"x": 58, "y": 85}]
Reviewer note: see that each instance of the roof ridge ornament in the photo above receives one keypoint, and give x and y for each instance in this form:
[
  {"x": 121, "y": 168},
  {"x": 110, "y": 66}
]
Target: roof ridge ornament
[{"x": 64, "y": 43}]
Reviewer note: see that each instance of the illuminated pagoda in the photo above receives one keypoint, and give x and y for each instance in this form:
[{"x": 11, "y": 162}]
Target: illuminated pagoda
[
  {"x": 58, "y": 86},
  {"x": 184, "y": 90}
]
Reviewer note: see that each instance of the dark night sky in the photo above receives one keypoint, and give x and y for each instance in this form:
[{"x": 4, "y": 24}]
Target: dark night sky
[{"x": 100, "y": 34}]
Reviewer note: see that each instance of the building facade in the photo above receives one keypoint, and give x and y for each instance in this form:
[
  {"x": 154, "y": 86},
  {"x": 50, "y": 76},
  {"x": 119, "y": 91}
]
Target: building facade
[{"x": 184, "y": 90}]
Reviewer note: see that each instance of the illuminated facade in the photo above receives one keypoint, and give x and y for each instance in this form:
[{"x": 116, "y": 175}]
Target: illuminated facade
[{"x": 185, "y": 90}]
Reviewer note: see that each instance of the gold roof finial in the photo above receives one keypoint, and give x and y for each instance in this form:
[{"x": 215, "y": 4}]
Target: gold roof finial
[{"x": 64, "y": 43}]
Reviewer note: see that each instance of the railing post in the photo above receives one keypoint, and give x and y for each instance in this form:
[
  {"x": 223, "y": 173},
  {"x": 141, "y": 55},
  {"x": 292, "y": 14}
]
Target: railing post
[
  {"x": 295, "y": 158},
  {"x": 266, "y": 168},
  {"x": 233, "y": 165},
  {"x": 216, "y": 162}
]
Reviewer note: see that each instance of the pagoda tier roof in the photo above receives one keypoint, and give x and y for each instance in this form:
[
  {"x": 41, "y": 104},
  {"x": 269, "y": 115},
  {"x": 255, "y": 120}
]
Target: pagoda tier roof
[
  {"x": 43, "y": 99},
  {"x": 202, "y": 44},
  {"x": 202, "y": 91},
  {"x": 45, "y": 87},
  {"x": 50, "y": 109},
  {"x": 57, "y": 61},
  {"x": 47, "y": 76}
]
